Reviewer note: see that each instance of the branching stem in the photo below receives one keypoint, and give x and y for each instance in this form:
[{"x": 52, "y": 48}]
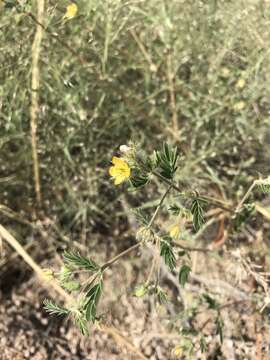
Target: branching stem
[
  {"x": 246, "y": 196},
  {"x": 123, "y": 253}
]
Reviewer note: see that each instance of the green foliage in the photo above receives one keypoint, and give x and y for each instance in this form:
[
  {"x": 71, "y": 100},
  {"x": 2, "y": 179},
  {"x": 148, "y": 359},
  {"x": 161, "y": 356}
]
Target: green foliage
[
  {"x": 265, "y": 189},
  {"x": 167, "y": 160},
  {"x": 141, "y": 290},
  {"x": 211, "y": 302},
  {"x": 71, "y": 285},
  {"x": 183, "y": 274},
  {"x": 176, "y": 210},
  {"x": 219, "y": 328},
  {"x": 77, "y": 260},
  {"x": 91, "y": 301},
  {"x": 197, "y": 212},
  {"x": 166, "y": 251},
  {"x": 81, "y": 322},
  {"x": 86, "y": 107},
  {"x": 54, "y": 309},
  {"x": 264, "y": 185},
  {"x": 241, "y": 217},
  {"x": 203, "y": 345},
  {"x": 139, "y": 179},
  {"x": 65, "y": 274},
  {"x": 141, "y": 216},
  {"x": 161, "y": 295}
]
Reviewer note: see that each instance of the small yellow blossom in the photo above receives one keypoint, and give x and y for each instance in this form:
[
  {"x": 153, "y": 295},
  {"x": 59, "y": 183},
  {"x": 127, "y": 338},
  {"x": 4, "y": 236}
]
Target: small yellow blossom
[
  {"x": 239, "y": 106},
  {"x": 174, "y": 231},
  {"x": 240, "y": 84},
  {"x": 140, "y": 291},
  {"x": 71, "y": 11},
  {"x": 177, "y": 351},
  {"x": 48, "y": 274},
  {"x": 120, "y": 170}
]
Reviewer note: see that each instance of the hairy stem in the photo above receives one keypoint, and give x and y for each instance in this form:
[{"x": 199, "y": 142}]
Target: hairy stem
[
  {"x": 123, "y": 253},
  {"x": 119, "y": 256},
  {"x": 159, "y": 206},
  {"x": 221, "y": 204},
  {"x": 247, "y": 194}
]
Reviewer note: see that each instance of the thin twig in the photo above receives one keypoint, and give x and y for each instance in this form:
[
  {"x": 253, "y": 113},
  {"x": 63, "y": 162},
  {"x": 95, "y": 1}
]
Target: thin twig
[
  {"x": 247, "y": 194},
  {"x": 188, "y": 248},
  {"x": 119, "y": 256},
  {"x": 153, "y": 67},
  {"x": 221, "y": 204},
  {"x": 159, "y": 206},
  {"x": 170, "y": 76}
]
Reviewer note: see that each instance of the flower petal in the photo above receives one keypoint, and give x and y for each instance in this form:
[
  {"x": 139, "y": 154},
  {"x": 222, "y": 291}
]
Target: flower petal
[
  {"x": 113, "y": 171},
  {"x": 118, "y": 161},
  {"x": 119, "y": 179}
]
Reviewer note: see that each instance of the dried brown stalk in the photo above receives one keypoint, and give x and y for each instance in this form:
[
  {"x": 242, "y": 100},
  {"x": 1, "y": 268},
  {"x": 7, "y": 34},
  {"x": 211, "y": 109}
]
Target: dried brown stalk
[{"x": 34, "y": 109}]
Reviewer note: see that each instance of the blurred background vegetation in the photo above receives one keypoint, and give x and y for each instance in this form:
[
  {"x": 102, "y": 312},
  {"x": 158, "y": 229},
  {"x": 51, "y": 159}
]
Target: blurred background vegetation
[{"x": 129, "y": 59}]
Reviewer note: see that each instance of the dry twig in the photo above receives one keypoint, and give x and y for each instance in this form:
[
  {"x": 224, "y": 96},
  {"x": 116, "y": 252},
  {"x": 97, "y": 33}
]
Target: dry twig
[{"x": 34, "y": 109}]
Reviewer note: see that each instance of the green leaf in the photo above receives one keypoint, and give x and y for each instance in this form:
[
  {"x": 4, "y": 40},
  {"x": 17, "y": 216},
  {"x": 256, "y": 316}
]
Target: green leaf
[
  {"x": 54, "y": 309},
  {"x": 203, "y": 345},
  {"x": 71, "y": 285},
  {"x": 212, "y": 303},
  {"x": 264, "y": 185},
  {"x": 161, "y": 295},
  {"x": 246, "y": 211},
  {"x": 65, "y": 274},
  {"x": 166, "y": 160},
  {"x": 139, "y": 179},
  {"x": 197, "y": 212},
  {"x": 82, "y": 324},
  {"x": 166, "y": 251},
  {"x": 175, "y": 209},
  {"x": 180, "y": 210},
  {"x": 91, "y": 301},
  {"x": 77, "y": 260},
  {"x": 141, "y": 216},
  {"x": 219, "y": 328},
  {"x": 183, "y": 274}
]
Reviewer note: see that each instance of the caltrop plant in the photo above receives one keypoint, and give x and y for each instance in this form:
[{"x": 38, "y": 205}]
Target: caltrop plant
[{"x": 137, "y": 170}]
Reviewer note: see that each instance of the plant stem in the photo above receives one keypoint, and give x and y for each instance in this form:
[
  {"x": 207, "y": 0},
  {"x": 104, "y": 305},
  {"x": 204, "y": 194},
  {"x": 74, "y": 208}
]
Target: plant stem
[
  {"x": 218, "y": 202},
  {"x": 159, "y": 206},
  {"x": 245, "y": 197},
  {"x": 123, "y": 253},
  {"x": 117, "y": 257},
  {"x": 34, "y": 108}
]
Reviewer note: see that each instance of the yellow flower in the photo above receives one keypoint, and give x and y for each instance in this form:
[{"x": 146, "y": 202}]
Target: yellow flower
[
  {"x": 71, "y": 11},
  {"x": 240, "y": 84},
  {"x": 120, "y": 170},
  {"x": 177, "y": 351},
  {"x": 48, "y": 274},
  {"x": 239, "y": 106},
  {"x": 175, "y": 231}
]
